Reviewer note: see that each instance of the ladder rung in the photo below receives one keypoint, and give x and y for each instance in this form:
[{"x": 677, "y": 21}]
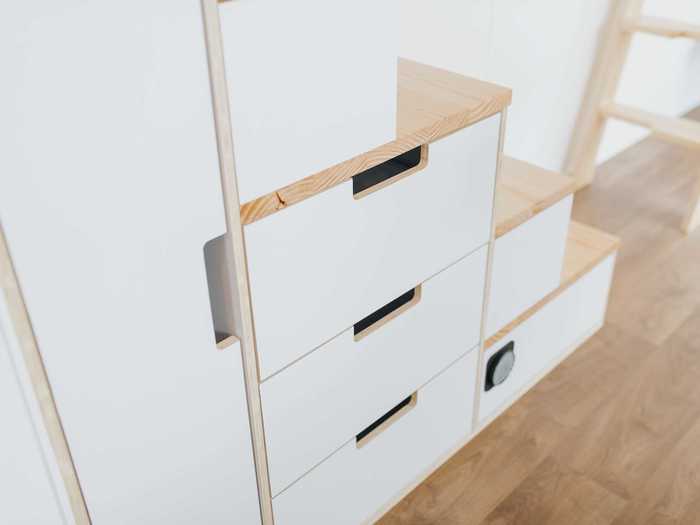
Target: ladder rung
[
  {"x": 677, "y": 130},
  {"x": 664, "y": 27}
]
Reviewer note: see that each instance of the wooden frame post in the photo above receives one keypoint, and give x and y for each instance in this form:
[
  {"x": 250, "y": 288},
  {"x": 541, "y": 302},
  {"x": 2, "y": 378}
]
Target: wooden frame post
[
  {"x": 602, "y": 87},
  {"x": 19, "y": 317},
  {"x": 242, "y": 306}
]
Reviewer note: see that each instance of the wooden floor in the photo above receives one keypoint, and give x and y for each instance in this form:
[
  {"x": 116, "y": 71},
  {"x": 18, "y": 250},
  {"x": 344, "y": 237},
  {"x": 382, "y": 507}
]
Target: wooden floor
[{"x": 612, "y": 436}]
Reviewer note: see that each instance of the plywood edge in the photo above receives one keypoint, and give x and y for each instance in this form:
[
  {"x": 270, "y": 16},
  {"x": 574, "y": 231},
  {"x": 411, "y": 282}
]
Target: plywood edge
[
  {"x": 432, "y": 103},
  {"x": 524, "y": 190},
  {"x": 489, "y": 268},
  {"x": 242, "y": 306},
  {"x": 586, "y": 247},
  {"x": 19, "y": 317}
]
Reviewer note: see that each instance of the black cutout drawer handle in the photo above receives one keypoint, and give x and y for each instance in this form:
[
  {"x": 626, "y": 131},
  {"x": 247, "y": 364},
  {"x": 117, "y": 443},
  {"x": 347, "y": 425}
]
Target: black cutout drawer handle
[
  {"x": 386, "y": 313},
  {"x": 386, "y": 420},
  {"x": 389, "y": 172},
  {"x": 499, "y": 366}
]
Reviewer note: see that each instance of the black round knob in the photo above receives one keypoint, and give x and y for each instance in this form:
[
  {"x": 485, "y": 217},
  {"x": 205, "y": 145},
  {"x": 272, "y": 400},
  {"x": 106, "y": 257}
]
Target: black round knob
[{"x": 499, "y": 366}]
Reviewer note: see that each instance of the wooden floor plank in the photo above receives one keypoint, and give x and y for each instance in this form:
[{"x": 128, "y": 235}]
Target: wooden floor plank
[
  {"x": 672, "y": 494},
  {"x": 482, "y": 474},
  {"x": 624, "y": 441},
  {"x": 589, "y": 377},
  {"x": 554, "y": 494}
]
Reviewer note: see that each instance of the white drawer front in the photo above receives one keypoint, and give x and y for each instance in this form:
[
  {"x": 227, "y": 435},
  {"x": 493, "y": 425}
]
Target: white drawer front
[
  {"x": 527, "y": 264},
  {"x": 317, "y": 404},
  {"x": 319, "y": 267},
  {"x": 354, "y": 483},
  {"x": 312, "y": 83},
  {"x": 542, "y": 339}
]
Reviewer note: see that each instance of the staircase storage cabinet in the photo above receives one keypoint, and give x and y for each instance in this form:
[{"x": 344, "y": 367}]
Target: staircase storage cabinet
[
  {"x": 254, "y": 255},
  {"x": 360, "y": 478},
  {"x": 312, "y": 83},
  {"x": 316, "y": 405}
]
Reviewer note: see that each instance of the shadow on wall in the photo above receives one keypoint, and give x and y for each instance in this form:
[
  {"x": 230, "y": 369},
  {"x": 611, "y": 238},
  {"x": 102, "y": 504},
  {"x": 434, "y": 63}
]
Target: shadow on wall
[{"x": 544, "y": 50}]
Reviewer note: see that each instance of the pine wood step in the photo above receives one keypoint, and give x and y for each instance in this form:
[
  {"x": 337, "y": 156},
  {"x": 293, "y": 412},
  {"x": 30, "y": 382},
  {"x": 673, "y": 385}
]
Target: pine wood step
[
  {"x": 525, "y": 190},
  {"x": 664, "y": 27},
  {"x": 680, "y": 131},
  {"x": 586, "y": 247},
  {"x": 432, "y": 103}
]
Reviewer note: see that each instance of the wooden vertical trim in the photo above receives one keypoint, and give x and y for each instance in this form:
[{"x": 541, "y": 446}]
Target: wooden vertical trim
[
  {"x": 232, "y": 205},
  {"x": 19, "y": 317},
  {"x": 489, "y": 272},
  {"x": 606, "y": 73}
]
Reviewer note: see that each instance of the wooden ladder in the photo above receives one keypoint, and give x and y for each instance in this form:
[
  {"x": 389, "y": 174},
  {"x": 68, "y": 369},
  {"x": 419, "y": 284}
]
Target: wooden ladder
[{"x": 626, "y": 19}]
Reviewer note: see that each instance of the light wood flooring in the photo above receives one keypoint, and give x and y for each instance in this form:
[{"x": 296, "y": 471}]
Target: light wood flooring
[{"x": 612, "y": 436}]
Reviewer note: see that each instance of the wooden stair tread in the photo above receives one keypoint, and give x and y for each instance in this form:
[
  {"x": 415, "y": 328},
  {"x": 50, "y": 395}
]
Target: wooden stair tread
[
  {"x": 432, "y": 103},
  {"x": 664, "y": 27},
  {"x": 585, "y": 248},
  {"x": 682, "y": 131},
  {"x": 525, "y": 190}
]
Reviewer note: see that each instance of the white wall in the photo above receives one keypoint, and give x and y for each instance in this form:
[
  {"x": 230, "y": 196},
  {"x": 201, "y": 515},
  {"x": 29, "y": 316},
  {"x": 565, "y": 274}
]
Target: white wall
[{"x": 544, "y": 50}]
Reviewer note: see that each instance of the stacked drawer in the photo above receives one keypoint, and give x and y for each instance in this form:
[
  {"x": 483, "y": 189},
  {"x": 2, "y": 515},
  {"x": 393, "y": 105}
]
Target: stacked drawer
[
  {"x": 550, "y": 282},
  {"x": 367, "y": 300},
  {"x": 372, "y": 321},
  {"x": 321, "y": 266}
]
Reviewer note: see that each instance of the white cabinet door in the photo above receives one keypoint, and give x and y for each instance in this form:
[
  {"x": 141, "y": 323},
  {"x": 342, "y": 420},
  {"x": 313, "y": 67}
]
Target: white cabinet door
[
  {"x": 109, "y": 190},
  {"x": 28, "y": 495},
  {"x": 312, "y": 83}
]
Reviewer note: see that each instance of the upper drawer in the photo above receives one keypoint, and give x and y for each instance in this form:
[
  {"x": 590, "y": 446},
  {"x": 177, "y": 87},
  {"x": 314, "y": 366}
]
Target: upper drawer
[
  {"x": 319, "y": 267},
  {"x": 317, "y": 404},
  {"x": 311, "y": 83}
]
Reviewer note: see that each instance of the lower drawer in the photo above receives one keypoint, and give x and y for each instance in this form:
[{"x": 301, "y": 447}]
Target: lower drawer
[
  {"x": 540, "y": 341},
  {"x": 527, "y": 264},
  {"x": 316, "y": 405},
  {"x": 365, "y": 474}
]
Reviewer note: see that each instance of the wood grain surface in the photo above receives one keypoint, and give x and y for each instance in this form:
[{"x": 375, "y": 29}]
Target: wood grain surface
[
  {"x": 432, "y": 103},
  {"x": 610, "y": 436},
  {"x": 525, "y": 190}
]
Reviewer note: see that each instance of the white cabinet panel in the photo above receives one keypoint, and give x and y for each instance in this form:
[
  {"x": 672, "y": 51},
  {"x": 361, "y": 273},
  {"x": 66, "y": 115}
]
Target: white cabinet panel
[
  {"x": 527, "y": 264},
  {"x": 109, "y": 191},
  {"x": 312, "y": 83}
]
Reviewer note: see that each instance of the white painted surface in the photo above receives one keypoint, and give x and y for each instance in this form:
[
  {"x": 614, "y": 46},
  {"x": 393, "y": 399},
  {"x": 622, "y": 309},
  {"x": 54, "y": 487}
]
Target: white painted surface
[
  {"x": 312, "y": 83},
  {"x": 541, "y": 339},
  {"x": 527, "y": 264},
  {"x": 344, "y": 258},
  {"x": 29, "y": 494},
  {"x": 317, "y": 404},
  {"x": 353, "y": 483},
  {"x": 544, "y": 50},
  {"x": 109, "y": 190}
]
